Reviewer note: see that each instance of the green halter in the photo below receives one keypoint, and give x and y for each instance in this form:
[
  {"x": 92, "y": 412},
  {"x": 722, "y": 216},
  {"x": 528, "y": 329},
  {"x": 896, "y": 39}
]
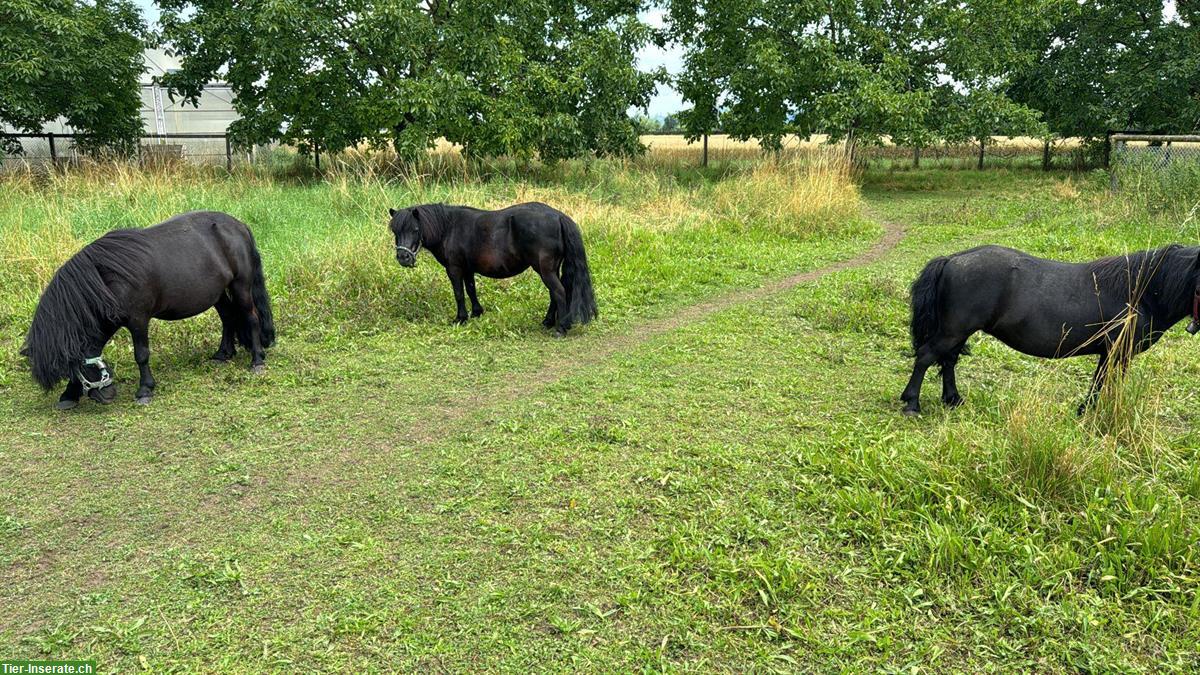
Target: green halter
[{"x": 105, "y": 377}]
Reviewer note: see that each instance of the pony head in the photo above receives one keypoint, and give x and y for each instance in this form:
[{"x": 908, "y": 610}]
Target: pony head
[{"x": 406, "y": 228}]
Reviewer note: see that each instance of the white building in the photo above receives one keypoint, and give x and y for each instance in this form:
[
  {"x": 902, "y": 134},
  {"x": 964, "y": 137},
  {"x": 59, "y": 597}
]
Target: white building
[{"x": 212, "y": 115}]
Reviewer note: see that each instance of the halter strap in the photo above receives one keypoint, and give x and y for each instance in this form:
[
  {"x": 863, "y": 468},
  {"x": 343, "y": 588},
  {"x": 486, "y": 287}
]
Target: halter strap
[
  {"x": 410, "y": 251},
  {"x": 105, "y": 377}
]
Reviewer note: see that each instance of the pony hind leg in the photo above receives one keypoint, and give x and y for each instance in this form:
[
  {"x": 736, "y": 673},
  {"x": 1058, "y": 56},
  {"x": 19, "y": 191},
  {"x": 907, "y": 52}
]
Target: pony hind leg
[
  {"x": 476, "y": 308},
  {"x": 558, "y": 298},
  {"x": 251, "y": 326},
  {"x": 140, "y": 332},
  {"x": 229, "y": 326},
  {"x": 933, "y": 351},
  {"x": 950, "y": 395}
]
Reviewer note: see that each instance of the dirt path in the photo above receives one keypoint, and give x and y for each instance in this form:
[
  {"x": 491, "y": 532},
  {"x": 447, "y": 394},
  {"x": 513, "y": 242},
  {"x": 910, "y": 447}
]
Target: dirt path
[{"x": 436, "y": 425}]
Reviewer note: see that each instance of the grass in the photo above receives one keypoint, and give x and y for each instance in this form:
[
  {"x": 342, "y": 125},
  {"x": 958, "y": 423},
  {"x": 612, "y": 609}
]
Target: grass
[{"x": 737, "y": 493}]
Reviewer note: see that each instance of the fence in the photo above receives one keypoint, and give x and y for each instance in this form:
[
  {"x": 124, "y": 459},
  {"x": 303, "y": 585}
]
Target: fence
[
  {"x": 1142, "y": 157},
  {"x": 51, "y": 149}
]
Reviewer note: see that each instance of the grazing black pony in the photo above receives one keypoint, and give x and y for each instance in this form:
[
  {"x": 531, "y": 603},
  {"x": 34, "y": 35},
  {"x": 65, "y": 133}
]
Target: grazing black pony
[
  {"x": 501, "y": 244},
  {"x": 1048, "y": 308},
  {"x": 173, "y": 270}
]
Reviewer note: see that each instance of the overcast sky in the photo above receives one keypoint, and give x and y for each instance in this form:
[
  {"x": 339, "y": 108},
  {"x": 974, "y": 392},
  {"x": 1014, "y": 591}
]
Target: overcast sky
[{"x": 667, "y": 100}]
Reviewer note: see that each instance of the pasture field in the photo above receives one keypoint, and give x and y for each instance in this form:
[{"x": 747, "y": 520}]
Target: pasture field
[{"x": 713, "y": 476}]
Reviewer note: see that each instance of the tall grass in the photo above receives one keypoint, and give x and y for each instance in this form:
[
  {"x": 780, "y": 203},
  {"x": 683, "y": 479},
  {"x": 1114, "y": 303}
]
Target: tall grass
[
  {"x": 324, "y": 236},
  {"x": 1168, "y": 187}
]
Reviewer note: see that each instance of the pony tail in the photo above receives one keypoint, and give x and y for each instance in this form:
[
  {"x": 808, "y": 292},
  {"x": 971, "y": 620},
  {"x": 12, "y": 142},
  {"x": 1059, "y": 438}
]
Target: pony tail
[
  {"x": 925, "y": 319},
  {"x": 262, "y": 301},
  {"x": 70, "y": 314},
  {"x": 576, "y": 277}
]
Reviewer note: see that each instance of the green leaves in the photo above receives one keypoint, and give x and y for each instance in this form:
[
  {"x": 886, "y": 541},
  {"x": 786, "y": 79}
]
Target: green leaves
[
  {"x": 72, "y": 59},
  {"x": 1110, "y": 64},
  {"x": 497, "y": 78}
]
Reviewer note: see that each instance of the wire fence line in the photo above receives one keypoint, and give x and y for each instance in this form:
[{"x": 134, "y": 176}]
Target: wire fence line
[
  {"x": 1137, "y": 158},
  {"x": 40, "y": 151}
]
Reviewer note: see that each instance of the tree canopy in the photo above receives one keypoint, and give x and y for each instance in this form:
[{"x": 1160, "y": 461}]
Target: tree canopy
[
  {"x": 72, "y": 59},
  {"x": 499, "y": 78},
  {"x": 1115, "y": 65}
]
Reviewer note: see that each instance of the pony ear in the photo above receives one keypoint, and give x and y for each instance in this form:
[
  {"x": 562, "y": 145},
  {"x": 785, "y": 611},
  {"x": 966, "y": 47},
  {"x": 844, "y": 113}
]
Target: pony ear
[
  {"x": 391, "y": 212},
  {"x": 416, "y": 213}
]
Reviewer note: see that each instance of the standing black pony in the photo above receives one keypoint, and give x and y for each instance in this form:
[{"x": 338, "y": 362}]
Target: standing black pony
[
  {"x": 1048, "y": 308},
  {"x": 501, "y": 244},
  {"x": 174, "y": 270}
]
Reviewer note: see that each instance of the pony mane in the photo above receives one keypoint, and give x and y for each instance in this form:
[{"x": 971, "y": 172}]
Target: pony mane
[
  {"x": 1165, "y": 275},
  {"x": 77, "y": 305},
  {"x": 433, "y": 217}
]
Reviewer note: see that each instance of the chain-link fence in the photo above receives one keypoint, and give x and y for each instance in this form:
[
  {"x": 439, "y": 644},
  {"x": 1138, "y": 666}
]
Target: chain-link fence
[
  {"x": 41, "y": 151},
  {"x": 1144, "y": 159}
]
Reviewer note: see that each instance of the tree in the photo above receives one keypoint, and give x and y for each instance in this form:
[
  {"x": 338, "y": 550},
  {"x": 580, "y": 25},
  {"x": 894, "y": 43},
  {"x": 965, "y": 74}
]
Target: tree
[
  {"x": 860, "y": 70},
  {"x": 646, "y": 124},
  {"x": 76, "y": 60},
  {"x": 670, "y": 124},
  {"x": 1115, "y": 64},
  {"x": 979, "y": 114},
  {"x": 499, "y": 78}
]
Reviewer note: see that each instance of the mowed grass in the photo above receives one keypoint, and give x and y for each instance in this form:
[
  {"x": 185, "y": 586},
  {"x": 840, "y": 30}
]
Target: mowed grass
[{"x": 737, "y": 493}]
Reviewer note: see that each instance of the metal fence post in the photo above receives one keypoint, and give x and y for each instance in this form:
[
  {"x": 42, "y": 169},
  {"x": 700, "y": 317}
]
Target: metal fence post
[
  {"x": 53, "y": 152},
  {"x": 1112, "y": 171},
  {"x": 228, "y": 154}
]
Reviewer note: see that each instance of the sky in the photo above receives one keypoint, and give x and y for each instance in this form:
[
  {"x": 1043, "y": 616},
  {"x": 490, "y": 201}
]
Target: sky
[{"x": 666, "y": 100}]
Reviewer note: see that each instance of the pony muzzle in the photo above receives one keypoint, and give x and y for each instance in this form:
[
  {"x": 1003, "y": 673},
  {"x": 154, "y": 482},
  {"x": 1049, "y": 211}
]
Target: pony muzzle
[
  {"x": 407, "y": 257},
  {"x": 1193, "y": 327}
]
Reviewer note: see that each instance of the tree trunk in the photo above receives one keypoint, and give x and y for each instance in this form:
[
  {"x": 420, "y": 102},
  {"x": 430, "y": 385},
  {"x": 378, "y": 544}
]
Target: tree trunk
[
  {"x": 982, "y": 146},
  {"x": 1046, "y": 155},
  {"x": 704, "y": 162},
  {"x": 917, "y": 157}
]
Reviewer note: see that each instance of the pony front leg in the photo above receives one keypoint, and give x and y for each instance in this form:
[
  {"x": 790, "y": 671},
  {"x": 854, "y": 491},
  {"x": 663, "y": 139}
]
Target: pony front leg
[
  {"x": 456, "y": 281},
  {"x": 70, "y": 395},
  {"x": 140, "y": 332},
  {"x": 1098, "y": 379}
]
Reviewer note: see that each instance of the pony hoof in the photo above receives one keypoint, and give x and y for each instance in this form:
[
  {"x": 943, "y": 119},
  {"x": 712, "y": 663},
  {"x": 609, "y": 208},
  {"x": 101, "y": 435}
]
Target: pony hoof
[
  {"x": 143, "y": 400},
  {"x": 66, "y": 405},
  {"x": 911, "y": 412},
  {"x": 258, "y": 368},
  {"x": 953, "y": 402},
  {"x": 219, "y": 359}
]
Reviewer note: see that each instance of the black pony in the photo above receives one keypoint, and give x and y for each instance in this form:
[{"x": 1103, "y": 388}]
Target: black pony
[
  {"x": 173, "y": 270},
  {"x": 501, "y": 244},
  {"x": 1048, "y": 308}
]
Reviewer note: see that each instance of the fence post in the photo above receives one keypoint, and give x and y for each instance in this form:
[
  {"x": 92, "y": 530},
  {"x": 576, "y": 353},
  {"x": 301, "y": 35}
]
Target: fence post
[
  {"x": 53, "y": 152},
  {"x": 1112, "y": 172},
  {"x": 228, "y": 154},
  {"x": 1046, "y": 155},
  {"x": 317, "y": 156},
  {"x": 705, "y": 160}
]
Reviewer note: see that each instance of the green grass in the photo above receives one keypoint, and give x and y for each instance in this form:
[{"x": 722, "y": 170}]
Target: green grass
[{"x": 739, "y": 492}]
